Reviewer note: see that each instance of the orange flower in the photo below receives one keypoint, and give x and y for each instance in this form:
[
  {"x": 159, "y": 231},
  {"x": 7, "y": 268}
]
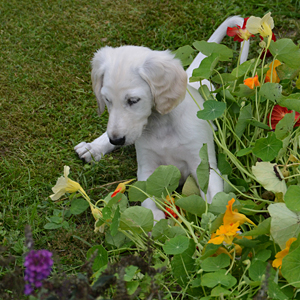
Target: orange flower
[
  {"x": 121, "y": 188},
  {"x": 272, "y": 72},
  {"x": 277, "y": 263},
  {"x": 169, "y": 209},
  {"x": 225, "y": 233},
  {"x": 252, "y": 82},
  {"x": 233, "y": 216}
]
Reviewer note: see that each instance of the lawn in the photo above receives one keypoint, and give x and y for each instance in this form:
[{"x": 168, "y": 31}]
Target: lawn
[{"x": 47, "y": 105}]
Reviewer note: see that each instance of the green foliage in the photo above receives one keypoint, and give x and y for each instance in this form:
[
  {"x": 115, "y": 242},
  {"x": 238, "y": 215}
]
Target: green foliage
[{"x": 47, "y": 107}]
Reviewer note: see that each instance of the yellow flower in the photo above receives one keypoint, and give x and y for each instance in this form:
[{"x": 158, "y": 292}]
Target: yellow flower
[
  {"x": 233, "y": 216},
  {"x": 225, "y": 233},
  {"x": 252, "y": 82},
  {"x": 64, "y": 185},
  {"x": 277, "y": 263},
  {"x": 121, "y": 188},
  {"x": 263, "y": 26},
  {"x": 272, "y": 72},
  {"x": 97, "y": 212}
]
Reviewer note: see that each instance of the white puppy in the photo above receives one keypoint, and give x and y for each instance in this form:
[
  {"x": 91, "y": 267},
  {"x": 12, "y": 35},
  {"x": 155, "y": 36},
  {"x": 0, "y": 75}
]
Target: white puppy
[{"x": 145, "y": 94}]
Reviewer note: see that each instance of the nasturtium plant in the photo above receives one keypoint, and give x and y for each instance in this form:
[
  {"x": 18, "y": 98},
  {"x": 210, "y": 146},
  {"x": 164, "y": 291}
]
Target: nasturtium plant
[
  {"x": 245, "y": 242},
  {"x": 267, "y": 148},
  {"x": 212, "y": 110}
]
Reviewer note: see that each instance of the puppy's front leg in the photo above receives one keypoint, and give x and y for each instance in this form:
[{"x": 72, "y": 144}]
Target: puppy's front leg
[{"x": 94, "y": 150}]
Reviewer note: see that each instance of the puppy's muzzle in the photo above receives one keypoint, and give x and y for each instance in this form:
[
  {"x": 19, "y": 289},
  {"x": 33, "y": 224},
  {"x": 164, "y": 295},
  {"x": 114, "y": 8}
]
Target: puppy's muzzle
[{"x": 118, "y": 142}]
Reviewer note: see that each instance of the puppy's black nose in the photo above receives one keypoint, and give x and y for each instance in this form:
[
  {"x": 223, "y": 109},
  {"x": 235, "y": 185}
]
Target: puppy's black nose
[{"x": 118, "y": 142}]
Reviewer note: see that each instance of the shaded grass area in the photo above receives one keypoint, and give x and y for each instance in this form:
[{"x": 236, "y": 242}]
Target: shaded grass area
[{"x": 47, "y": 105}]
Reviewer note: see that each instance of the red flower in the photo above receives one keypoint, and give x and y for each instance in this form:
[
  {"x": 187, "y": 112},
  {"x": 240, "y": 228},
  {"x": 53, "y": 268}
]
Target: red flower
[
  {"x": 279, "y": 112},
  {"x": 240, "y": 34},
  {"x": 121, "y": 188},
  {"x": 170, "y": 210}
]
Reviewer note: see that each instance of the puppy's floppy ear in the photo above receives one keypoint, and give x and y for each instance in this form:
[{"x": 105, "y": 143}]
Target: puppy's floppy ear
[
  {"x": 97, "y": 75},
  {"x": 166, "y": 78}
]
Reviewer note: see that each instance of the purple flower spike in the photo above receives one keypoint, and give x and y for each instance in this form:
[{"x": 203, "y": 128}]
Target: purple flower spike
[{"x": 38, "y": 265}]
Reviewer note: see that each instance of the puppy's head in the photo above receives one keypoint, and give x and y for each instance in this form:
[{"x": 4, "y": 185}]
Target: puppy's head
[{"x": 132, "y": 81}]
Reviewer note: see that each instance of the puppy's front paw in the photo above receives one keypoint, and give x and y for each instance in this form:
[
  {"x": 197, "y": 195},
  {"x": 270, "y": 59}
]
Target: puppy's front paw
[{"x": 87, "y": 152}]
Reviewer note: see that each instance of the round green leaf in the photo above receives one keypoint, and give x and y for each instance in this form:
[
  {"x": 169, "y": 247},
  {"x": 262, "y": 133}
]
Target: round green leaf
[
  {"x": 262, "y": 255},
  {"x": 101, "y": 258},
  {"x": 284, "y": 223},
  {"x": 193, "y": 204},
  {"x": 219, "y": 291},
  {"x": 267, "y": 148},
  {"x": 78, "y": 206},
  {"x": 223, "y": 165},
  {"x": 285, "y": 126},
  {"x": 212, "y": 279},
  {"x": 209, "y": 48},
  {"x": 159, "y": 228},
  {"x": 206, "y": 68},
  {"x": 257, "y": 270},
  {"x": 292, "y": 198},
  {"x": 211, "y": 264},
  {"x": 286, "y": 51},
  {"x": 163, "y": 180},
  {"x": 219, "y": 202},
  {"x": 138, "y": 219},
  {"x": 291, "y": 267},
  {"x": 190, "y": 187},
  {"x": 244, "y": 68},
  {"x": 176, "y": 245},
  {"x": 212, "y": 110},
  {"x": 185, "y": 55},
  {"x": 244, "y": 151},
  {"x": 271, "y": 91},
  {"x": 275, "y": 292},
  {"x": 291, "y": 102},
  {"x": 130, "y": 272},
  {"x": 183, "y": 265},
  {"x": 244, "y": 91},
  {"x": 134, "y": 193},
  {"x": 132, "y": 287},
  {"x": 117, "y": 241}
]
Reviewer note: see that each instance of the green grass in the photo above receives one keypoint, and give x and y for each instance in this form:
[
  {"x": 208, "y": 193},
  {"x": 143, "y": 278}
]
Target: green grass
[{"x": 47, "y": 105}]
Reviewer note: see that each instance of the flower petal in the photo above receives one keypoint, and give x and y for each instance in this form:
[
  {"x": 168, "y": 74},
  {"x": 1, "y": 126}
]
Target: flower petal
[
  {"x": 66, "y": 171},
  {"x": 267, "y": 19},
  {"x": 253, "y": 25},
  {"x": 217, "y": 240}
]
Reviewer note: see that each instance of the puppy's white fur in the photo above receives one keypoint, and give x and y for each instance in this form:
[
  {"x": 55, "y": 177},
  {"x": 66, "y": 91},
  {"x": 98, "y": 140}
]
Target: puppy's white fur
[{"x": 145, "y": 94}]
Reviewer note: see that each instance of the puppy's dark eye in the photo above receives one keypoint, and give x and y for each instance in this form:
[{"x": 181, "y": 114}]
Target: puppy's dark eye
[
  {"x": 132, "y": 101},
  {"x": 106, "y": 100}
]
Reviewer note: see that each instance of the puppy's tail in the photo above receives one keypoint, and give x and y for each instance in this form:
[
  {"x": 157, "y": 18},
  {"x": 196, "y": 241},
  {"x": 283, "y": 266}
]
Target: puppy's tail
[{"x": 217, "y": 37}]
